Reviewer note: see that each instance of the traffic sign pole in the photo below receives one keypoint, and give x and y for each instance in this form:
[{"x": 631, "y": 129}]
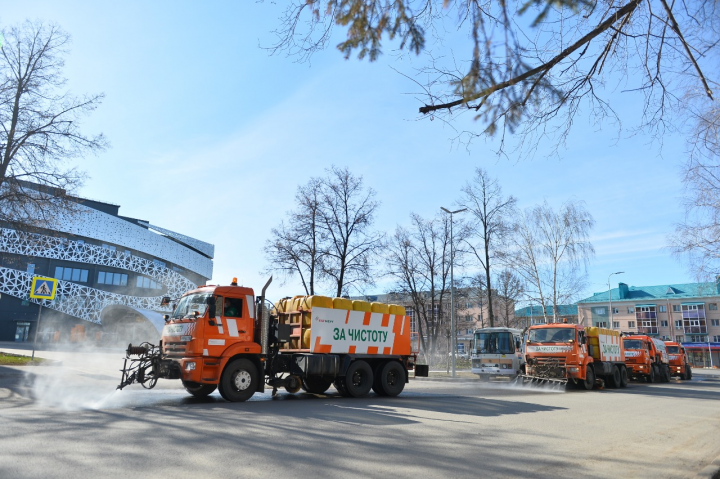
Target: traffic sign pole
[{"x": 37, "y": 328}]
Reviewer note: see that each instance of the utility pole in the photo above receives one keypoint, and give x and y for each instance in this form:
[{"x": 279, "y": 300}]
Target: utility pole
[{"x": 453, "y": 339}]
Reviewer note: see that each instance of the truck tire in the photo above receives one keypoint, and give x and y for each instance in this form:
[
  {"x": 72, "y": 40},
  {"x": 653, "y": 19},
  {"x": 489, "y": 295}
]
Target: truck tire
[
  {"x": 339, "y": 384},
  {"x": 392, "y": 379},
  {"x": 613, "y": 379},
  {"x": 199, "y": 390},
  {"x": 651, "y": 377},
  {"x": 689, "y": 372},
  {"x": 316, "y": 384},
  {"x": 295, "y": 383},
  {"x": 377, "y": 383},
  {"x": 665, "y": 373},
  {"x": 239, "y": 380},
  {"x": 623, "y": 377},
  {"x": 589, "y": 382},
  {"x": 358, "y": 379}
]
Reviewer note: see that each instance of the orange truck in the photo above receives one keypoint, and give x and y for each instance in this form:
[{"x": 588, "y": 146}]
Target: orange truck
[
  {"x": 646, "y": 358},
  {"x": 222, "y": 337},
  {"x": 679, "y": 363},
  {"x": 571, "y": 354}
]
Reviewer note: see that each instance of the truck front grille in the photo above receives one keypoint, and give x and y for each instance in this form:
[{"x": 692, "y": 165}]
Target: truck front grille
[
  {"x": 174, "y": 349},
  {"x": 549, "y": 367}
]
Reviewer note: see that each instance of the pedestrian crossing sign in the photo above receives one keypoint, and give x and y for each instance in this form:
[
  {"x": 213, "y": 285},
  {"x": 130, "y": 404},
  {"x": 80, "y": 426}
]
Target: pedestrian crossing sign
[{"x": 43, "y": 288}]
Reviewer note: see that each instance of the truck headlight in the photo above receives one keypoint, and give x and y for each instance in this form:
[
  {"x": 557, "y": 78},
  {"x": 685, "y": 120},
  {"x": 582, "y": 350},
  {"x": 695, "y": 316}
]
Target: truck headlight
[
  {"x": 190, "y": 366},
  {"x": 640, "y": 367},
  {"x": 574, "y": 370},
  {"x": 185, "y": 338}
]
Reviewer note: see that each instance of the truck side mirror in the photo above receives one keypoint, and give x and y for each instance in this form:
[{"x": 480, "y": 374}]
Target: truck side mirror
[
  {"x": 212, "y": 311},
  {"x": 165, "y": 301}
]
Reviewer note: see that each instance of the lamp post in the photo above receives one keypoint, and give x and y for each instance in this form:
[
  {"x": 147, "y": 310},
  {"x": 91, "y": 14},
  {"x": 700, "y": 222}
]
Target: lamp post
[
  {"x": 452, "y": 287},
  {"x": 610, "y": 298}
]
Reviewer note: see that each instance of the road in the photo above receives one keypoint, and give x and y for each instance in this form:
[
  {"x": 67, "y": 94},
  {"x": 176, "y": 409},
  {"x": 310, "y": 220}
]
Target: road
[{"x": 66, "y": 421}]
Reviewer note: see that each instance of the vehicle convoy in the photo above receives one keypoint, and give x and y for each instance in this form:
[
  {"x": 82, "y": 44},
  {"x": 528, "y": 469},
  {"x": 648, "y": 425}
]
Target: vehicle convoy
[
  {"x": 679, "y": 362},
  {"x": 563, "y": 353},
  {"x": 497, "y": 352},
  {"x": 646, "y": 358},
  {"x": 222, "y": 337}
]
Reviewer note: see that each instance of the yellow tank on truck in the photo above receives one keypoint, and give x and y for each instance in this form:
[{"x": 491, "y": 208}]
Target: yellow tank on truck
[{"x": 605, "y": 344}]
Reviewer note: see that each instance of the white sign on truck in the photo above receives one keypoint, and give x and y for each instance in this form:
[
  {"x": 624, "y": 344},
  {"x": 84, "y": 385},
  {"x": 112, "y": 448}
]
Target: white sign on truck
[{"x": 357, "y": 332}]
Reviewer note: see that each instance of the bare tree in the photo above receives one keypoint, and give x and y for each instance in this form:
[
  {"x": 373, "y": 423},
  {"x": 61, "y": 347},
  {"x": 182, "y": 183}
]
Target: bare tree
[
  {"x": 551, "y": 251},
  {"x": 418, "y": 258},
  {"x": 39, "y": 126},
  {"x": 297, "y": 248},
  {"x": 489, "y": 225},
  {"x": 510, "y": 290},
  {"x": 347, "y": 214},
  {"x": 529, "y": 65}
]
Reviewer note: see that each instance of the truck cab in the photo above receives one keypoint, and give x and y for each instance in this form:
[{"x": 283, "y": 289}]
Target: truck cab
[
  {"x": 646, "y": 358},
  {"x": 209, "y": 326},
  {"x": 679, "y": 363}
]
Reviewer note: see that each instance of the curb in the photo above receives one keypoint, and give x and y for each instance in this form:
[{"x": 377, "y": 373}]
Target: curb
[{"x": 711, "y": 471}]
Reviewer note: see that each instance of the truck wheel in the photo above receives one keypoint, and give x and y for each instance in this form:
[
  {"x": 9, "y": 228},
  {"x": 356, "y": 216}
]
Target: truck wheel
[
  {"x": 294, "y": 384},
  {"x": 623, "y": 377},
  {"x": 358, "y": 379},
  {"x": 651, "y": 377},
  {"x": 613, "y": 378},
  {"x": 392, "y": 379},
  {"x": 316, "y": 384},
  {"x": 689, "y": 372},
  {"x": 199, "y": 390},
  {"x": 589, "y": 382},
  {"x": 665, "y": 373},
  {"x": 339, "y": 384},
  {"x": 239, "y": 380}
]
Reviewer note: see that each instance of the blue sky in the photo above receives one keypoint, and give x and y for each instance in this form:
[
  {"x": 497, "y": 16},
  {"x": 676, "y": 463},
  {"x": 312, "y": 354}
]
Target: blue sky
[{"x": 210, "y": 136}]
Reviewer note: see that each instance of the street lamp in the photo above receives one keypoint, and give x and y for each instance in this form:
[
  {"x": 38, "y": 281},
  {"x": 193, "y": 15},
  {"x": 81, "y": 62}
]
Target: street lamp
[
  {"x": 610, "y": 298},
  {"x": 452, "y": 287}
]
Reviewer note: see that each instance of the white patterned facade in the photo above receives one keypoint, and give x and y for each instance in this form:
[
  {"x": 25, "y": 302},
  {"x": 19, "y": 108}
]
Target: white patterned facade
[
  {"x": 78, "y": 300},
  {"x": 95, "y": 224}
]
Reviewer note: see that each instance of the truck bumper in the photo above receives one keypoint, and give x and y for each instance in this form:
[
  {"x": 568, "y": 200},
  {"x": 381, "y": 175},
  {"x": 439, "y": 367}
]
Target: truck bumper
[{"x": 203, "y": 370}]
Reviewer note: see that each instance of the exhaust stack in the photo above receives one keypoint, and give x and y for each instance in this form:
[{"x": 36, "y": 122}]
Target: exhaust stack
[{"x": 264, "y": 320}]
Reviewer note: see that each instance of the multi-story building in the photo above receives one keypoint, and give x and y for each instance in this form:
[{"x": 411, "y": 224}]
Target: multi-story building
[
  {"x": 112, "y": 272},
  {"x": 529, "y": 315},
  {"x": 687, "y": 313}
]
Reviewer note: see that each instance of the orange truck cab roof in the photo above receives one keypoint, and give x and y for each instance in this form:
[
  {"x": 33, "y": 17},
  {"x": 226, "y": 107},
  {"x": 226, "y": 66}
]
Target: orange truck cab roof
[{"x": 234, "y": 291}]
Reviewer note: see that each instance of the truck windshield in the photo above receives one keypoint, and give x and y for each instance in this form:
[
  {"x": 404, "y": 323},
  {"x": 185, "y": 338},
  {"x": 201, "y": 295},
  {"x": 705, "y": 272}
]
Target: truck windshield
[
  {"x": 672, "y": 349},
  {"x": 497, "y": 342},
  {"x": 191, "y": 303},
  {"x": 551, "y": 335},
  {"x": 633, "y": 344}
]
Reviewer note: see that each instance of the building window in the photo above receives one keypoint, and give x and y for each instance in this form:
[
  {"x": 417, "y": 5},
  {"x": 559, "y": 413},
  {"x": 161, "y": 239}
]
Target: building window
[
  {"x": 712, "y": 306},
  {"x": 678, "y": 324},
  {"x": 107, "y": 246},
  {"x": 71, "y": 274},
  {"x": 114, "y": 279},
  {"x": 616, "y": 311},
  {"x": 631, "y": 310},
  {"x": 600, "y": 311},
  {"x": 715, "y": 322},
  {"x": 697, "y": 339},
  {"x": 716, "y": 339},
  {"x": 147, "y": 283},
  {"x": 676, "y": 308},
  {"x": 646, "y": 318},
  {"x": 666, "y": 338},
  {"x": 663, "y": 309},
  {"x": 159, "y": 263},
  {"x": 679, "y": 339},
  {"x": 601, "y": 324},
  {"x": 631, "y": 324},
  {"x": 664, "y": 323},
  {"x": 616, "y": 324}
]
